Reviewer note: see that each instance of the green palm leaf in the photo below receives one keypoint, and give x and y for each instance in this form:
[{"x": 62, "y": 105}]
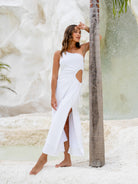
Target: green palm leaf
[
  {"x": 5, "y": 87},
  {"x": 4, "y": 66},
  {"x": 121, "y": 4},
  {"x": 3, "y": 77}
]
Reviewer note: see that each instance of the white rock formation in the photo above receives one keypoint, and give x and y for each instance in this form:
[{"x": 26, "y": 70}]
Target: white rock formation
[{"x": 31, "y": 31}]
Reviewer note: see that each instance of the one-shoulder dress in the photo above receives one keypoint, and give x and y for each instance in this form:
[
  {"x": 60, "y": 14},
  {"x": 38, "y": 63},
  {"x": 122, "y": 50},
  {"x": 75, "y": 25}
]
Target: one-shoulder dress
[{"x": 68, "y": 93}]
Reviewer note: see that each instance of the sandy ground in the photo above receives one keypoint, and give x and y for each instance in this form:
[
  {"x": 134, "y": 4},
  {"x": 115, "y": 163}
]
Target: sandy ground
[
  {"x": 113, "y": 172},
  {"x": 121, "y": 156}
]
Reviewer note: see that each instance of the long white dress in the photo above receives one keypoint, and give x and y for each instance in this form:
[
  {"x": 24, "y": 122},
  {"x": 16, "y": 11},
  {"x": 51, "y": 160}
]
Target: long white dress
[{"x": 68, "y": 95}]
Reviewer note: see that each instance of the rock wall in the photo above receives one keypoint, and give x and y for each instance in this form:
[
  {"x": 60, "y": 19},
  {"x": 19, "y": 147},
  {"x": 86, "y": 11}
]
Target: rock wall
[{"x": 31, "y": 31}]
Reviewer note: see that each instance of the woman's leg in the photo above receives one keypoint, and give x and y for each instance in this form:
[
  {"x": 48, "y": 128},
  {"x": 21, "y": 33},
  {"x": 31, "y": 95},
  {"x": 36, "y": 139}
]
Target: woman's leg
[
  {"x": 67, "y": 160},
  {"x": 43, "y": 158},
  {"x": 39, "y": 165}
]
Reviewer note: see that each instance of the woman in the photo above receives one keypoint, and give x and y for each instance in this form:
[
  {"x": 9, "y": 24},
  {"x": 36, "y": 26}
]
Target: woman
[{"x": 65, "y": 131}]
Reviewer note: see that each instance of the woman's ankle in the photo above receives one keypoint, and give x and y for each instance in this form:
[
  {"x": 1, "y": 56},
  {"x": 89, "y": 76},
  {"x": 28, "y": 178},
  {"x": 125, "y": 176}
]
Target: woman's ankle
[
  {"x": 67, "y": 156},
  {"x": 44, "y": 155}
]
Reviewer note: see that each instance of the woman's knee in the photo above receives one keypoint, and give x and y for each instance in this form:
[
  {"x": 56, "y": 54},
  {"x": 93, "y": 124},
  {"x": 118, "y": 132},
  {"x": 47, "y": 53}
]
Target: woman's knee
[
  {"x": 67, "y": 120},
  {"x": 70, "y": 111}
]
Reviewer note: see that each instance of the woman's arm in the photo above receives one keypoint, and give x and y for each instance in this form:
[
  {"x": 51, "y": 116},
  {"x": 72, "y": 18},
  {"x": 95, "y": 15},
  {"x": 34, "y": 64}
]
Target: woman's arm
[
  {"x": 54, "y": 78},
  {"x": 85, "y": 46},
  {"x": 87, "y": 29}
]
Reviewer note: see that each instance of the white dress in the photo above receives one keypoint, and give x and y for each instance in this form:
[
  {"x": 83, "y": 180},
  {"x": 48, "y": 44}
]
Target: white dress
[{"x": 68, "y": 95}]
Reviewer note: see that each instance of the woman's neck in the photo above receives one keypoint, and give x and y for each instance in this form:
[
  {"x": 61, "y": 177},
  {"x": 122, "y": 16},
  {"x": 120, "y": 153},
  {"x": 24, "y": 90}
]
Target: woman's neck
[{"x": 72, "y": 46}]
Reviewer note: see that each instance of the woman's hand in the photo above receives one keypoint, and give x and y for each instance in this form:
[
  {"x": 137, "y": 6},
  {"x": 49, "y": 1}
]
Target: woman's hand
[
  {"x": 54, "y": 102},
  {"x": 83, "y": 26},
  {"x": 86, "y": 28}
]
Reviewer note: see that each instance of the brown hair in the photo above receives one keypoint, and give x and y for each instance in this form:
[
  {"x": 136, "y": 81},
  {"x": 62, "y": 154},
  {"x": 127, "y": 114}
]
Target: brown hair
[{"x": 67, "y": 37}]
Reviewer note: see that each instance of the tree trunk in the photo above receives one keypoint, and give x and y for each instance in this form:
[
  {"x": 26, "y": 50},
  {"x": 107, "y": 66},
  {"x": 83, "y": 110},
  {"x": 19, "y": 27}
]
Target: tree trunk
[{"x": 96, "y": 138}]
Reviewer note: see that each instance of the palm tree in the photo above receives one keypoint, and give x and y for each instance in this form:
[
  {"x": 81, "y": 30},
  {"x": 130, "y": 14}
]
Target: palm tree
[
  {"x": 96, "y": 138},
  {"x": 3, "y": 77}
]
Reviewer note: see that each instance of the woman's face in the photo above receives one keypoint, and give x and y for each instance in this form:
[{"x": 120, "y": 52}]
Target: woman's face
[{"x": 76, "y": 34}]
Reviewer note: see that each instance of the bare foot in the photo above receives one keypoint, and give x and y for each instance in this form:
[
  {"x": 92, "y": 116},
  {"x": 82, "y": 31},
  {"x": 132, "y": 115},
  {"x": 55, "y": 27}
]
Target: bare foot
[
  {"x": 39, "y": 165},
  {"x": 64, "y": 163}
]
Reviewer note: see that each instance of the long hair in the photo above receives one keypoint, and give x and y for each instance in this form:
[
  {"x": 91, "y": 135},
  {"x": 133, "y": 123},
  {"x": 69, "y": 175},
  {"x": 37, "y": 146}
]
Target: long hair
[{"x": 67, "y": 38}]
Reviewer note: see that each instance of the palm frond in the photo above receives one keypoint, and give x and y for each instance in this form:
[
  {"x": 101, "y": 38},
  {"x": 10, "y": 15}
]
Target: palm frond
[
  {"x": 5, "y": 87},
  {"x": 121, "y": 4},
  {"x": 4, "y": 78},
  {"x": 4, "y": 66}
]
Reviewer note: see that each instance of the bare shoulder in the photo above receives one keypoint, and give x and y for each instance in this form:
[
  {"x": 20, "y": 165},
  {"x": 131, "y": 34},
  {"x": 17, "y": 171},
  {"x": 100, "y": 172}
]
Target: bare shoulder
[
  {"x": 57, "y": 54},
  {"x": 85, "y": 47}
]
